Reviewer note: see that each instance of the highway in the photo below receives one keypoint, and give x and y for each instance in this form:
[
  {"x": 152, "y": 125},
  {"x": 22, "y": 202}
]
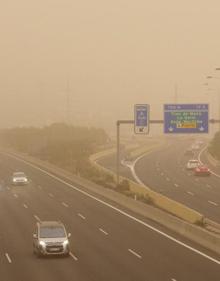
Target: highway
[
  {"x": 108, "y": 242},
  {"x": 165, "y": 171}
]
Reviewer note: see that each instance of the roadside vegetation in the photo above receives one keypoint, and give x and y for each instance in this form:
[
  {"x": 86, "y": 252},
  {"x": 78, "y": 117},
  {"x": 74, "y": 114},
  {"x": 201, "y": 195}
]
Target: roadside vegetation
[
  {"x": 214, "y": 147},
  {"x": 69, "y": 148}
]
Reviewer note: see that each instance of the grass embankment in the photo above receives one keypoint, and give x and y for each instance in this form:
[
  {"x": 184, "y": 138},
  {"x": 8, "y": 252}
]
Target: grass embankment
[{"x": 214, "y": 146}]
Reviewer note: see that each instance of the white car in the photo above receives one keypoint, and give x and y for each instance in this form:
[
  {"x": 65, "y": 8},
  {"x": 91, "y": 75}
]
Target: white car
[
  {"x": 192, "y": 164},
  {"x": 19, "y": 178}
]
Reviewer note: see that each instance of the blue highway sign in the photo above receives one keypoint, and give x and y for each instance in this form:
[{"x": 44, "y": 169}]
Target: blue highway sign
[
  {"x": 186, "y": 118},
  {"x": 141, "y": 118}
]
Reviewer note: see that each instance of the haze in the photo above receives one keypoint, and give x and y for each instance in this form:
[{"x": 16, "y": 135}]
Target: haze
[{"x": 88, "y": 62}]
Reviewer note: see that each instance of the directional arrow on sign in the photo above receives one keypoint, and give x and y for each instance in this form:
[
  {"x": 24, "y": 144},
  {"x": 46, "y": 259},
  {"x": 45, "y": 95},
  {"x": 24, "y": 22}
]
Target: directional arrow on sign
[{"x": 171, "y": 129}]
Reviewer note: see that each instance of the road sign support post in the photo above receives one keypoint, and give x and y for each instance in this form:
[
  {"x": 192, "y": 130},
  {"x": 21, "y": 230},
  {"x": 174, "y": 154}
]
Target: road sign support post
[{"x": 118, "y": 154}]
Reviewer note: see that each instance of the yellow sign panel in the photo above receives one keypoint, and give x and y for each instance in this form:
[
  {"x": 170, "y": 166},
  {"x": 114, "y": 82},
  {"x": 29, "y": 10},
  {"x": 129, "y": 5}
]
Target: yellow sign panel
[{"x": 186, "y": 125}]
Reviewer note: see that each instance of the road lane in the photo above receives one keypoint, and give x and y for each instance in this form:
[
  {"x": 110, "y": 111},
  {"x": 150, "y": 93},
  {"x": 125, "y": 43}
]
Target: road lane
[
  {"x": 172, "y": 162},
  {"x": 162, "y": 258}
]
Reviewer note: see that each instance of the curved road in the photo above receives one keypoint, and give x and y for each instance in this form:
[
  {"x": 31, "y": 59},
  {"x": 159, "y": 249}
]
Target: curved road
[
  {"x": 106, "y": 244},
  {"x": 164, "y": 171}
]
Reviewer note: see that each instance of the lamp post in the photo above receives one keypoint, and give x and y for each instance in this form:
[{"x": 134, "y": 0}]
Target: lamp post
[{"x": 218, "y": 91}]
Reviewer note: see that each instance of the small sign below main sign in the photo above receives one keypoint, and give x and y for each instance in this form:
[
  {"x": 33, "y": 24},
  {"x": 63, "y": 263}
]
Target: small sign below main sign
[
  {"x": 141, "y": 118},
  {"x": 186, "y": 118}
]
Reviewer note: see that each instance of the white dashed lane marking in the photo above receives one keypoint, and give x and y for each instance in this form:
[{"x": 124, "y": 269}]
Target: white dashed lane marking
[
  {"x": 81, "y": 216},
  {"x": 8, "y": 258},
  {"x": 103, "y": 231},
  {"x": 73, "y": 256},
  {"x": 36, "y": 217},
  {"x": 213, "y": 203},
  {"x": 15, "y": 195},
  {"x": 65, "y": 205},
  {"x": 190, "y": 193},
  {"x": 135, "y": 254},
  {"x": 51, "y": 195},
  {"x": 25, "y": 206}
]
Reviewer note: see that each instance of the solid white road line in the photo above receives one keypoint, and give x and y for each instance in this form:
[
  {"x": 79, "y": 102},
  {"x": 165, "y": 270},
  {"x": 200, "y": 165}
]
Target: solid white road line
[
  {"x": 190, "y": 193},
  {"x": 65, "y": 205},
  {"x": 8, "y": 257},
  {"x": 103, "y": 231},
  {"x": 213, "y": 203},
  {"x": 37, "y": 218},
  {"x": 199, "y": 157},
  {"x": 74, "y": 257},
  {"x": 120, "y": 211},
  {"x": 135, "y": 254},
  {"x": 81, "y": 216},
  {"x": 25, "y": 206}
]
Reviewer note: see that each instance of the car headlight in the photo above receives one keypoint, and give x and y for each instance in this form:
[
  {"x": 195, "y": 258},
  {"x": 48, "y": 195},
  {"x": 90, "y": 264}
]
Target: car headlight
[
  {"x": 25, "y": 180},
  {"x": 14, "y": 180},
  {"x": 65, "y": 243},
  {"x": 42, "y": 243}
]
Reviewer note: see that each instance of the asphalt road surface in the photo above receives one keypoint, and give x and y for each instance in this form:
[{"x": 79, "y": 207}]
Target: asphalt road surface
[
  {"x": 107, "y": 243},
  {"x": 165, "y": 171}
]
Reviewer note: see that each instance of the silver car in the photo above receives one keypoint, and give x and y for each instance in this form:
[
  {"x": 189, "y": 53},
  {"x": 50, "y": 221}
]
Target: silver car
[
  {"x": 51, "y": 238},
  {"x": 19, "y": 178}
]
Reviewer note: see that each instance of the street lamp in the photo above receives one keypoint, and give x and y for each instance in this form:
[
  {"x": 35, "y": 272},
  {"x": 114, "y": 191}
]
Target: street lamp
[{"x": 216, "y": 78}]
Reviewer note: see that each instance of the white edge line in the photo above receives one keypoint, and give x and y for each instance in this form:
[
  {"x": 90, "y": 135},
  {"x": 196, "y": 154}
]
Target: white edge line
[
  {"x": 135, "y": 254},
  {"x": 8, "y": 257},
  {"x": 122, "y": 212},
  {"x": 199, "y": 158},
  {"x": 73, "y": 256}
]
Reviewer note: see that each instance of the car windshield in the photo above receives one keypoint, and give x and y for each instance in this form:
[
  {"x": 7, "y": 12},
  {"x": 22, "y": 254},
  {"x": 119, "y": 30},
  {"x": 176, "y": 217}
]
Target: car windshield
[
  {"x": 52, "y": 232},
  {"x": 20, "y": 174}
]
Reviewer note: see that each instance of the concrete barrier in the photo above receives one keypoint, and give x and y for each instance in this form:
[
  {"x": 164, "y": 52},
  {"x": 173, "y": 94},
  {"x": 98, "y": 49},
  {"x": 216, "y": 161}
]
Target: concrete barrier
[{"x": 158, "y": 200}]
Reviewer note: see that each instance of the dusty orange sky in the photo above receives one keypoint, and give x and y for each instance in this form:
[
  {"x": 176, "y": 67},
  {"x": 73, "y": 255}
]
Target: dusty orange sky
[{"x": 113, "y": 53}]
